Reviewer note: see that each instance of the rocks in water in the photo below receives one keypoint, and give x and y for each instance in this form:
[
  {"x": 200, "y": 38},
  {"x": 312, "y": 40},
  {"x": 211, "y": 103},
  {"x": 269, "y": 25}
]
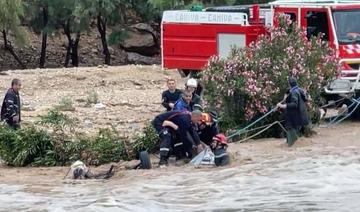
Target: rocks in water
[{"x": 135, "y": 58}]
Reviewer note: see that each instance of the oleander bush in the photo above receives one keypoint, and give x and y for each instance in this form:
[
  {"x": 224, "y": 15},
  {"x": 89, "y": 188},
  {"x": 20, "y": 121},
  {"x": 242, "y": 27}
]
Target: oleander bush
[{"x": 255, "y": 78}]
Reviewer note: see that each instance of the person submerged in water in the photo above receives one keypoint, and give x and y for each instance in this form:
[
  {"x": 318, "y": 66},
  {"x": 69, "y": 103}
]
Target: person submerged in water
[
  {"x": 80, "y": 171},
  {"x": 219, "y": 147}
]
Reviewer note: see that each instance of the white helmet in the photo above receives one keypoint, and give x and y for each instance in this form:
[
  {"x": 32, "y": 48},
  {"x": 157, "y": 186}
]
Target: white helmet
[{"x": 192, "y": 83}]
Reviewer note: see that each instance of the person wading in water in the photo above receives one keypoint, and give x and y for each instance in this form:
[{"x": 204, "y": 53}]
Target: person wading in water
[{"x": 295, "y": 111}]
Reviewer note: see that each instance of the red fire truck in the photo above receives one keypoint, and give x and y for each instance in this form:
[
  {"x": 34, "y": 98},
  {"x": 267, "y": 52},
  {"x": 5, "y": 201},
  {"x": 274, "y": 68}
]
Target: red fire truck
[{"x": 190, "y": 38}]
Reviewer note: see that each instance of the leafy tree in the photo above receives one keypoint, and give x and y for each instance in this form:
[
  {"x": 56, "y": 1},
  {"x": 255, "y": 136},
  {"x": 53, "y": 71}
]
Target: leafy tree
[
  {"x": 41, "y": 22},
  {"x": 11, "y": 12},
  {"x": 104, "y": 12},
  {"x": 69, "y": 15},
  {"x": 168, "y": 4},
  {"x": 218, "y": 2},
  {"x": 251, "y": 1},
  {"x": 144, "y": 9}
]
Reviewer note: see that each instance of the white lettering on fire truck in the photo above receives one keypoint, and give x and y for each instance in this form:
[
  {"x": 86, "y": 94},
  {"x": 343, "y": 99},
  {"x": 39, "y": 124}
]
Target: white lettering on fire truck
[
  {"x": 219, "y": 18},
  {"x": 205, "y": 17},
  {"x": 187, "y": 17}
]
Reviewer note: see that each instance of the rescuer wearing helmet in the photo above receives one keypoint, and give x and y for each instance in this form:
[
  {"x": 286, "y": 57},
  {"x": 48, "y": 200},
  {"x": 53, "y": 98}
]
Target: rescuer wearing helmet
[
  {"x": 177, "y": 124},
  {"x": 191, "y": 85},
  {"x": 219, "y": 146},
  {"x": 207, "y": 128}
]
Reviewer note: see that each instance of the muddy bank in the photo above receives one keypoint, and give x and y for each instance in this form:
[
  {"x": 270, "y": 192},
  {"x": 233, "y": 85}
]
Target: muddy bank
[
  {"x": 339, "y": 141},
  {"x": 316, "y": 174}
]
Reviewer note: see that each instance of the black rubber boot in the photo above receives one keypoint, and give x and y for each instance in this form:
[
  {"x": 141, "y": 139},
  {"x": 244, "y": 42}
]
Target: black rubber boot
[{"x": 163, "y": 161}]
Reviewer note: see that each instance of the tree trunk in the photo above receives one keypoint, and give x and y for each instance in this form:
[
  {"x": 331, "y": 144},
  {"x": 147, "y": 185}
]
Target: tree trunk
[
  {"x": 43, "y": 50},
  {"x": 8, "y": 47},
  {"x": 44, "y": 40},
  {"x": 101, "y": 25},
  {"x": 70, "y": 44},
  {"x": 75, "y": 52},
  {"x": 67, "y": 57}
]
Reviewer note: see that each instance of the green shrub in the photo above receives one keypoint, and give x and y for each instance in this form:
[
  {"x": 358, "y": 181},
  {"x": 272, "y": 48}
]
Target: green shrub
[
  {"x": 25, "y": 146},
  {"x": 105, "y": 147},
  {"x": 65, "y": 104},
  {"x": 147, "y": 140},
  {"x": 7, "y": 144},
  {"x": 61, "y": 124},
  {"x": 92, "y": 98},
  {"x": 61, "y": 145}
]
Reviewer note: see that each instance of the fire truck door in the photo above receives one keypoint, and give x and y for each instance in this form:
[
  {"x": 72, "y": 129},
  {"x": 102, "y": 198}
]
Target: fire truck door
[
  {"x": 316, "y": 22},
  {"x": 227, "y": 41}
]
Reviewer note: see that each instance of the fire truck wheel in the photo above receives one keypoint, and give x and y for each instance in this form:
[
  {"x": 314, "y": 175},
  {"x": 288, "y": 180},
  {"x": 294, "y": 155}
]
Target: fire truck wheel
[{"x": 184, "y": 73}]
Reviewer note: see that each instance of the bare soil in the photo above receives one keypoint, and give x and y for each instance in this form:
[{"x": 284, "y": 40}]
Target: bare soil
[{"x": 131, "y": 94}]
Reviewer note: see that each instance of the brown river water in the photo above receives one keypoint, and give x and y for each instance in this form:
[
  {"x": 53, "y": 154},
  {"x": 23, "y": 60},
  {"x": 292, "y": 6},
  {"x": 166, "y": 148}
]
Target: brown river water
[{"x": 317, "y": 174}]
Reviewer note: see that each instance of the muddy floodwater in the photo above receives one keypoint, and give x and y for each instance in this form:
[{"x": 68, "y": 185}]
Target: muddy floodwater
[
  {"x": 305, "y": 184},
  {"x": 317, "y": 174}
]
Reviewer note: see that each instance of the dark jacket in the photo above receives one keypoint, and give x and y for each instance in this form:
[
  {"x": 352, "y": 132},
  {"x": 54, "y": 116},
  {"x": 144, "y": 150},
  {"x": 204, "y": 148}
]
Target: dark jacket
[
  {"x": 222, "y": 158},
  {"x": 182, "y": 120},
  {"x": 196, "y": 99},
  {"x": 11, "y": 107},
  {"x": 182, "y": 105},
  {"x": 296, "y": 114},
  {"x": 168, "y": 97},
  {"x": 206, "y": 135}
]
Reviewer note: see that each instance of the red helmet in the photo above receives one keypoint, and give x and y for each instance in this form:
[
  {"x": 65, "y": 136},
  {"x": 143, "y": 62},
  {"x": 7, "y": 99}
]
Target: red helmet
[{"x": 221, "y": 138}]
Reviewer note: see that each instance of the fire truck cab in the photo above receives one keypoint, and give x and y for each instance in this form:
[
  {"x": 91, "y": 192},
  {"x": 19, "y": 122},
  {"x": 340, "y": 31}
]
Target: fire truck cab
[
  {"x": 190, "y": 38},
  {"x": 339, "y": 22}
]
